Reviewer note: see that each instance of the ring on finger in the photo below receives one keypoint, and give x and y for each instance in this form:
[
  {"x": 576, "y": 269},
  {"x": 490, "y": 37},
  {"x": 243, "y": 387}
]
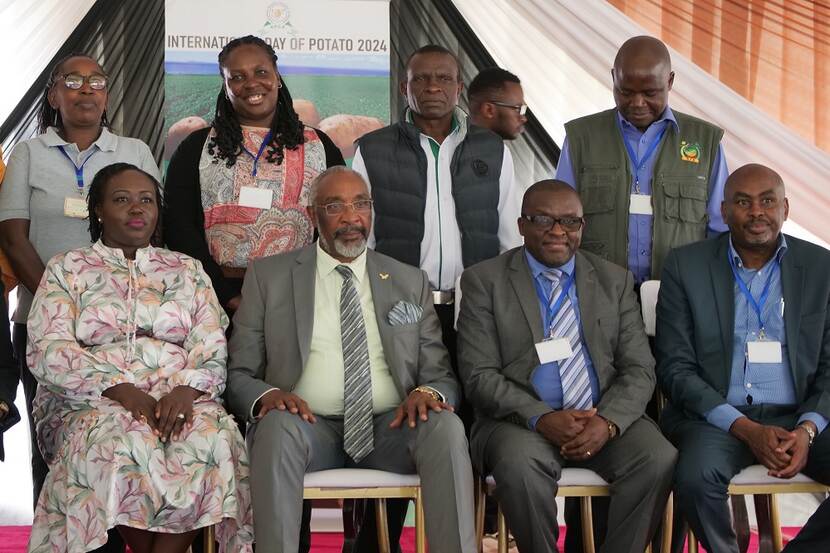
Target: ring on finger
[
  {"x": 180, "y": 416},
  {"x": 588, "y": 453}
]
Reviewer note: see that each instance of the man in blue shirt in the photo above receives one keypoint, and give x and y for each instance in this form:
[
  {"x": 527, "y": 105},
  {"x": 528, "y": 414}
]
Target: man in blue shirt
[
  {"x": 556, "y": 363},
  {"x": 650, "y": 178},
  {"x": 743, "y": 343}
]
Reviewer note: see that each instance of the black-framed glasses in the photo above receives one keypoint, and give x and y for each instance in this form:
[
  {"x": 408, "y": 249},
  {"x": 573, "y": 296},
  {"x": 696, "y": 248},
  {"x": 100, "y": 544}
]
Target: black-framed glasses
[
  {"x": 338, "y": 208},
  {"x": 74, "y": 81},
  {"x": 521, "y": 109},
  {"x": 546, "y": 222}
]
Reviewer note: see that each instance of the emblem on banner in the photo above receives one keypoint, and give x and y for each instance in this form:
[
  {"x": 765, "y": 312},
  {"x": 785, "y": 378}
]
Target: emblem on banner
[
  {"x": 690, "y": 152},
  {"x": 278, "y": 18}
]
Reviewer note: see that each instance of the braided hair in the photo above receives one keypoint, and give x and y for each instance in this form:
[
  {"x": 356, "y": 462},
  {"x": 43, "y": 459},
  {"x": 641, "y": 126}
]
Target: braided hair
[
  {"x": 286, "y": 128},
  {"x": 95, "y": 197},
  {"x": 47, "y": 116}
]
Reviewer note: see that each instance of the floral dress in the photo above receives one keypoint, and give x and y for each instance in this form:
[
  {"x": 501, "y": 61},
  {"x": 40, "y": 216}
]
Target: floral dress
[{"x": 99, "y": 319}]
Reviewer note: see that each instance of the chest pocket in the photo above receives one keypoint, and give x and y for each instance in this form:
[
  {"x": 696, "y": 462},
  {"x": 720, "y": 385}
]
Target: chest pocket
[{"x": 685, "y": 200}]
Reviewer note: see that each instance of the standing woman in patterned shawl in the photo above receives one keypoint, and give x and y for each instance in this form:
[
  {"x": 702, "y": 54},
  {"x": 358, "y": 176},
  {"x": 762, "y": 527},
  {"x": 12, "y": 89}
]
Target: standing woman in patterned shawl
[{"x": 237, "y": 190}]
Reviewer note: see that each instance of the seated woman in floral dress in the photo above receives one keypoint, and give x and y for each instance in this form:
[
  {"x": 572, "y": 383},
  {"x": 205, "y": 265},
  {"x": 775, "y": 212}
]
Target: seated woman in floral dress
[{"x": 127, "y": 341}]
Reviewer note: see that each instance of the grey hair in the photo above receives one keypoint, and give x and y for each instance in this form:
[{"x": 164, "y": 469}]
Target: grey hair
[{"x": 336, "y": 170}]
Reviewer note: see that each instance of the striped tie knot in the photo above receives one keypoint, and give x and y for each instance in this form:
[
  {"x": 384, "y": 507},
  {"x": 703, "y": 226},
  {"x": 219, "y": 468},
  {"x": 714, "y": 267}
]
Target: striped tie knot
[{"x": 345, "y": 271}]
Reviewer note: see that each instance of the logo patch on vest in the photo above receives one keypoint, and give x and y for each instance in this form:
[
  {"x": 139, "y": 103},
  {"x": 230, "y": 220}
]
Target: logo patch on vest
[
  {"x": 480, "y": 168},
  {"x": 690, "y": 152}
]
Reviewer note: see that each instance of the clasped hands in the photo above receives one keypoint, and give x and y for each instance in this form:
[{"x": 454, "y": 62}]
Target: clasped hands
[
  {"x": 167, "y": 417},
  {"x": 782, "y": 451},
  {"x": 579, "y": 434},
  {"x": 415, "y": 407}
]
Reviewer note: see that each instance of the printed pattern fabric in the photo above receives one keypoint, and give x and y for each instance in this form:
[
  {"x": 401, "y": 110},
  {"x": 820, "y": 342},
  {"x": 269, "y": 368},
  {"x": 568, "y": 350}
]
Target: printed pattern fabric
[
  {"x": 99, "y": 319},
  {"x": 235, "y": 234}
]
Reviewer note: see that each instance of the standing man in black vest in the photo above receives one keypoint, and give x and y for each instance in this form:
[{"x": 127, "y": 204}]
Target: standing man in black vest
[
  {"x": 650, "y": 178},
  {"x": 444, "y": 192}
]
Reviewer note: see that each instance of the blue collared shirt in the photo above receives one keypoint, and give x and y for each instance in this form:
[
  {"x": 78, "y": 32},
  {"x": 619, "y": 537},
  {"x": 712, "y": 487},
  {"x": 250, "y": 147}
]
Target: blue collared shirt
[
  {"x": 639, "y": 226},
  {"x": 765, "y": 383},
  {"x": 545, "y": 378}
]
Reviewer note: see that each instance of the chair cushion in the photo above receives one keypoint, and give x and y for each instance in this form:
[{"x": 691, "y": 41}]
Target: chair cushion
[
  {"x": 570, "y": 477},
  {"x": 359, "y": 478},
  {"x": 757, "y": 474}
]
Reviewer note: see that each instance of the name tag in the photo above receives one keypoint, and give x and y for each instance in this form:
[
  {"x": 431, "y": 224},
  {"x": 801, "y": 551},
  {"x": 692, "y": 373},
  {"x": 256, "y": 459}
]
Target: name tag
[
  {"x": 75, "y": 207},
  {"x": 255, "y": 197},
  {"x": 556, "y": 349},
  {"x": 763, "y": 352},
  {"x": 640, "y": 204}
]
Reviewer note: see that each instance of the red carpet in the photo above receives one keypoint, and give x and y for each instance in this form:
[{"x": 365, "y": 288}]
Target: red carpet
[{"x": 13, "y": 540}]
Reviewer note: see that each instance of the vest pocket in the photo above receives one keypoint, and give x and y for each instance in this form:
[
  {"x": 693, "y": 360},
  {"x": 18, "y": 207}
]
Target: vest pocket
[
  {"x": 684, "y": 200},
  {"x": 596, "y": 195}
]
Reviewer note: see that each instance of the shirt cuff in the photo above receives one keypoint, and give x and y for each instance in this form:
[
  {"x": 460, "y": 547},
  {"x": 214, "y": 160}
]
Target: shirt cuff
[
  {"x": 723, "y": 416},
  {"x": 532, "y": 422},
  {"x": 253, "y": 417},
  {"x": 819, "y": 420}
]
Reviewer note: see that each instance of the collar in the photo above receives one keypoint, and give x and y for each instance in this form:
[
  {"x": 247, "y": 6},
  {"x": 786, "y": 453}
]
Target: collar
[
  {"x": 779, "y": 252},
  {"x": 537, "y": 267},
  {"x": 106, "y": 142},
  {"x": 117, "y": 254},
  {"x": 668, "y": 115},
  {"x": 459, "y": 122},
  {"x": 326, "y": 264}
]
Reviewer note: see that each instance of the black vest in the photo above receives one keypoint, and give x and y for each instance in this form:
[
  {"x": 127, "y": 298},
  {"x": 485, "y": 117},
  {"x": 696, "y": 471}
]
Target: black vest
[{"x": 397, "y": 169}]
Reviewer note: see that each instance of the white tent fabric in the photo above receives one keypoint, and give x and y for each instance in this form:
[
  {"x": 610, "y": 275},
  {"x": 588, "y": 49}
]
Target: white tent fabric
[
  {"x": 563, "y": 51},
  {"x": 32, "y": 32}
]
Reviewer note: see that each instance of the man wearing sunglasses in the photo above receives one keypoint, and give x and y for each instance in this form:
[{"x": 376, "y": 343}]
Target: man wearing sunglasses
[
  {"x": 650, "y": 178},
  {"x": 555, "y": 360}
]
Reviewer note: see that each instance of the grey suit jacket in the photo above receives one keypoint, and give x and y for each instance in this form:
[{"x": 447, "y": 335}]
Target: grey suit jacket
[
  {"x": 696, "y": 323},
  {"x": 272, "y": 328},
  {"x": 500, "y": 321}
]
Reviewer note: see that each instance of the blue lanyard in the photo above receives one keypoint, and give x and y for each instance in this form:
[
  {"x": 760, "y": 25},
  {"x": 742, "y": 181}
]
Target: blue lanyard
[
  {"x": 640, "y": 163},
  {"x": 265, "y": 142},
  {"x": 79, "y": 171},
  {"x": 552, "y": 310},
  {"x": 757, "y": 306}
]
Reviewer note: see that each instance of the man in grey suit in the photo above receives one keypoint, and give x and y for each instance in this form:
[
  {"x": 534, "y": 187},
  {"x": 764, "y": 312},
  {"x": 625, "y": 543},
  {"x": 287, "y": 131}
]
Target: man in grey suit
[
  {"x": 336, "y": 355},
  {"x": 532, "y": 319},
  {"x": 743, "y": 342}
]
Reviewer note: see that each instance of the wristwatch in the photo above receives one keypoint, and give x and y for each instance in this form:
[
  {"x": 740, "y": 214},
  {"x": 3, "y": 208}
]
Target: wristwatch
[
  {"x": 428, "y": 390},
  {"x": 4, "y": 409},
  {"x": 810, "y": 433},
  {"x": 612, "y": 430}
]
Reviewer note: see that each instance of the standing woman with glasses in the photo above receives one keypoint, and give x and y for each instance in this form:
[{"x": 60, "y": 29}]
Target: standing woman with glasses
[
  {"x": 238, "y": 190},
  {"x": 43, "y": 197}
]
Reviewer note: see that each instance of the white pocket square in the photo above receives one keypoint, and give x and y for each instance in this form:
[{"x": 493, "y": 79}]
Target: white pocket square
[{"x": 404, "y": 313}]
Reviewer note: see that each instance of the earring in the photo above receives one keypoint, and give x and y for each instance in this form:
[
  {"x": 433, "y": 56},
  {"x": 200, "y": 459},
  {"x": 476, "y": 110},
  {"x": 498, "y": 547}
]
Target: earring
[
  {"x": 99, "y": 220},
  {"x": 279, "y": 85}
]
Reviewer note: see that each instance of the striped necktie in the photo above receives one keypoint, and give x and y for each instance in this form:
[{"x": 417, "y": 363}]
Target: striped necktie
[
  {"x": 573, "y": 371},
  {"x": 358, "y": 439}
]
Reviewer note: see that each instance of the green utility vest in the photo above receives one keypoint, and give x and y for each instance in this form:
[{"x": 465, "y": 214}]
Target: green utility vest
[{"x": 679, "y": 187}]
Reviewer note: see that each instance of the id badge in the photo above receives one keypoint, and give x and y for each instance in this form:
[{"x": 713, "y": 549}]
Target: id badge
[
  {"x": 259, "y": 198},
  {"x": 766, "y": 351},
  {"x": 75, "y": 207},
  {"x": 555, "y": 349},
  {"x": 640, "y": 204}
]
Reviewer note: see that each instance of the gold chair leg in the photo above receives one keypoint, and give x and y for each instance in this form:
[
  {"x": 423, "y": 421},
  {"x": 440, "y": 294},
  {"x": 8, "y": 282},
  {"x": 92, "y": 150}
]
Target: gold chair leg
[
  {"x": 668, "y": 522},
  {"x": 209, "y": 536},
  {"x": 587, "y": 525},
  {"x": 383, "y": 528},
  {"x": 420, "y": 525},
  {"x": 692, "y": 542},
  {"x": 775, "y": 521},
  {"x": 502, "y": 532},
  {"x": 480, "y": 497}
]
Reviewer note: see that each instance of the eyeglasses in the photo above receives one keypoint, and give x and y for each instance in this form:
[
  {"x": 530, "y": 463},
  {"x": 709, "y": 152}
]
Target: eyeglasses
[
  {"x": 521, "y": 109},
  {"x": 338, "y": 208},
  {"x": 75, "y": 81},
  {"x": 546, "y": 222}
]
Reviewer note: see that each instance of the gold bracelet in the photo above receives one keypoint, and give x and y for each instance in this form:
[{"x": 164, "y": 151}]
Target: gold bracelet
[
  {"x": 427, "y": 390},
  {"x": 612, "y": 430},
  {"x": 810, "y": 433}
]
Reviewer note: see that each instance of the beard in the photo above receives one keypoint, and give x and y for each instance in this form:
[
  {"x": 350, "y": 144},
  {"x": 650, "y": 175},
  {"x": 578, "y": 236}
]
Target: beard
[{"x": 342, "y": 248}]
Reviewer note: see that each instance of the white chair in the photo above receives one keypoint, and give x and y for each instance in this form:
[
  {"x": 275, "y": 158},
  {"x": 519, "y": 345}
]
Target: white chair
[
  {"x": 370, "y": 484},
  {"x": 573, "y": 482}
]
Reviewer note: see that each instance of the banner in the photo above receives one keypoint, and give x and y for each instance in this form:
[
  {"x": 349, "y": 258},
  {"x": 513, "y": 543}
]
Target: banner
[{"x": 333, "y": 57}]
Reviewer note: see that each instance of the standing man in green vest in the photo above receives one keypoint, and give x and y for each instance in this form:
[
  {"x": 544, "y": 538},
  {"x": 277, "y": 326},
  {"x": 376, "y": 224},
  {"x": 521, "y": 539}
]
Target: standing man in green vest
[
  {"x": 650, "y": 178},
  {"x": 444, "y": 192}
]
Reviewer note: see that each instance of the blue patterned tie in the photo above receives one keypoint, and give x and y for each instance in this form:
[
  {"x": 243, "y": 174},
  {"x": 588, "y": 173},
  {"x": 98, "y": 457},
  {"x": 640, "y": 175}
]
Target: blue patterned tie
[
  {"x": 573, "y": 371},
  {"x": 358, "y": 439}
]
